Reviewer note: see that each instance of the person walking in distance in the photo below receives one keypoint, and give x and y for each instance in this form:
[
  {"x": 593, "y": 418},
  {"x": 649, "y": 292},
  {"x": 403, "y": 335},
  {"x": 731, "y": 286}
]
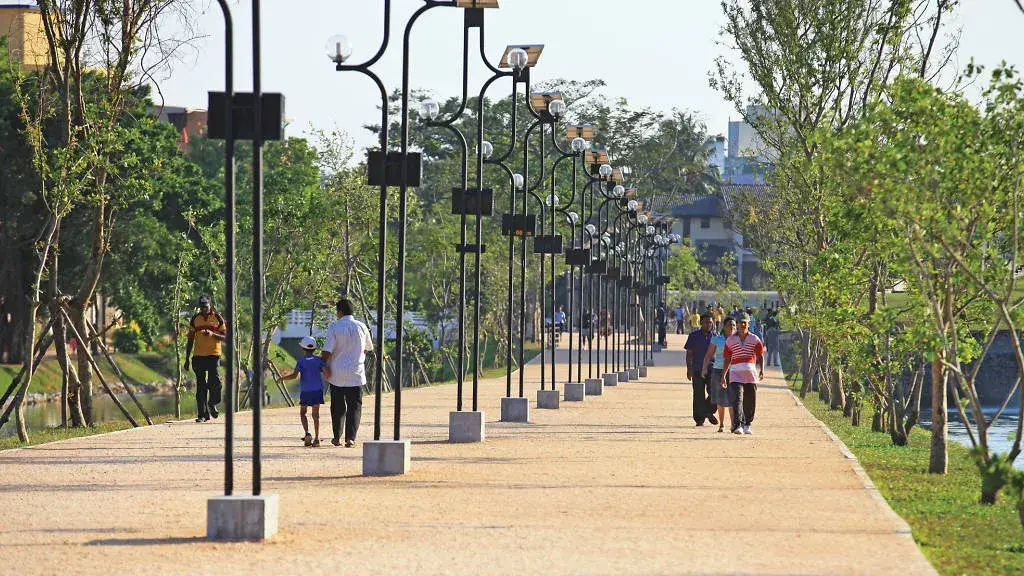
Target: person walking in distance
[
  {"x": 696, "y": 347},
  {"x": 680, "y": 319},
  {"x": 771, "y": 337},
  {"x": 661, "y": 321},
  {"x": 348, "y": 342},
  {"x": 744, "y": 358},
  {"x": 715, "y": 374},
  {"x": 206, "y": 331}
]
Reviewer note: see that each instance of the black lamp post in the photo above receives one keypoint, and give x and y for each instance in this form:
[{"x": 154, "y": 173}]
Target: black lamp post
[{"x": 402, "y": 170}]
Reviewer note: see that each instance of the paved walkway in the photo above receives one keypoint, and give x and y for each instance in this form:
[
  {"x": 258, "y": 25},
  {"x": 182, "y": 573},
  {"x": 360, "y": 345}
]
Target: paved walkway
[{"x": 619, "y": 484}]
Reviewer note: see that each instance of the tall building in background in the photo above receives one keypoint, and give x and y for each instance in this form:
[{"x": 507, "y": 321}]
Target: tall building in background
[
  {"x": 21, "y": 24},
  {"x": 748, "y": 160}
]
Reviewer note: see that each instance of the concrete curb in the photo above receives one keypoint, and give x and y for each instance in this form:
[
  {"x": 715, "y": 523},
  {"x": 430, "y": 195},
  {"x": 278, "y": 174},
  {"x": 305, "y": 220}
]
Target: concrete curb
[{"x": 901, "y": 526}]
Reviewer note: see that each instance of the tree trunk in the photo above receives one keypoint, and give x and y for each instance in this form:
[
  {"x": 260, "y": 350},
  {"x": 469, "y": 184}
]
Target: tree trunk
[
  {"x": 877, "y": 422},
  {"x": 805, "y": 362},
  {"x": 77, "y": 315},
  {"x": 837, "y": 393},
  {"x": 938, "y": 461}
]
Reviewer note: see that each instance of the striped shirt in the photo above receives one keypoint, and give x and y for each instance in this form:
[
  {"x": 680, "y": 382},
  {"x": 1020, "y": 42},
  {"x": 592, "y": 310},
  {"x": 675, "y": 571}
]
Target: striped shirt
[{"x": 742, "y": 355}]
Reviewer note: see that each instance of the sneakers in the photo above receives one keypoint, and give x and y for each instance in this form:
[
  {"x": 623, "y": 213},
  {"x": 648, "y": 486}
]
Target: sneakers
[
  {"x": 746, "y": 430},
  {"x": 336, "y": 442},
  {"x": 349, "y": 443},
  {"x": 213, "y": 411},
  {"x": 307, "y": 440},
  {"x": 712, "y": 419},
  {"x": 738, "y": 431}
]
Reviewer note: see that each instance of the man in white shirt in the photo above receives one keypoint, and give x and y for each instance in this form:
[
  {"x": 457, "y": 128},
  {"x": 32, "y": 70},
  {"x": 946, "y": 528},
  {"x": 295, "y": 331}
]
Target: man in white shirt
[{"x": 348, "y": 341}]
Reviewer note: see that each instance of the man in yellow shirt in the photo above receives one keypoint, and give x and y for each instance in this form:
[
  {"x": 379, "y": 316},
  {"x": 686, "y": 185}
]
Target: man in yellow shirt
[{"x": 206, "y": 331}]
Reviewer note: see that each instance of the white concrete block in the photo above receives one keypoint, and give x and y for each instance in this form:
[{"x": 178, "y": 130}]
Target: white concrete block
[
  {"x": 386, "y": 457},
  {"x": 595, "y": 386},
  {"x": 548, "y": 399},
  {"x": 515, "y": 410},
  {"x": 464, "y": 427},
  {"x": 243, "y": 517},
  {"x": 574, "y": 391}
]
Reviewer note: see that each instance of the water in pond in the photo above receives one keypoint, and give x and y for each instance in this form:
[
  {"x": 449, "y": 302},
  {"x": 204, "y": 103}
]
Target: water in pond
[{"x": 1000, "y": 434}]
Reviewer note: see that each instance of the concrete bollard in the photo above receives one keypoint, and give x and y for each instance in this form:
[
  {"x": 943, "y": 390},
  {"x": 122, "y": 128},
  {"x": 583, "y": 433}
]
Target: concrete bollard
[
  {"x": 386, "y": 457},
  {"x": 465, "y": 427},
  {"x": 241, "y": 517},
  {"x": 515, "y": 410},
  {"x": 611, "y": 379},
  {"x": 548, "y": 399},
  {"x": 574, "y": 391},
  {"x": 595, "y": 386}
]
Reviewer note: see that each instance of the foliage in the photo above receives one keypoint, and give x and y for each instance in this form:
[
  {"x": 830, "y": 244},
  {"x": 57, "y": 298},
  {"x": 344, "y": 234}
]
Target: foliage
[{"x": 129, "y": 340}]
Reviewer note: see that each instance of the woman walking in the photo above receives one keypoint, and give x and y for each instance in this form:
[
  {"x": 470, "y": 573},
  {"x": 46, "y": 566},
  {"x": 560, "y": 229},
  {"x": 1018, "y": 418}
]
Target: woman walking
[{"x": 716, "y": 376}]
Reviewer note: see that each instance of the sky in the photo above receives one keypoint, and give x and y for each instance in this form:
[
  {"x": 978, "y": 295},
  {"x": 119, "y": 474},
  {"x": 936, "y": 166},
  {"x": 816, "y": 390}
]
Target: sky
[{"x": 655, "y": 53}]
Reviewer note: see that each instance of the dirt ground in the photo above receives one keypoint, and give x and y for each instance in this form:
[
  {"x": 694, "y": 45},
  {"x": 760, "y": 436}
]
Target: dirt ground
[{"x": 623, "y": 483}]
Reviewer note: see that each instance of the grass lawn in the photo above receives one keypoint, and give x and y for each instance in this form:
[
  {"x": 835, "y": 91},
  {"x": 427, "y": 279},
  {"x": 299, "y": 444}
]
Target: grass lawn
[
  {"x": 137, "y": 368},
  {"x": 957, "y": 534}
]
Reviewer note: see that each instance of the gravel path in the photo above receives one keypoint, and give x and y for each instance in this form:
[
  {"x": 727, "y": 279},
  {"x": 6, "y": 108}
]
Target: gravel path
[{"x": 619, "y": 484}]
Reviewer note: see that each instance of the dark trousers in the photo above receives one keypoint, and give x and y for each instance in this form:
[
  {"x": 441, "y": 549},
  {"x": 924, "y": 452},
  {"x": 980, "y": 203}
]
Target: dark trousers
[
  {"x": 208, "y": 386},
  {"x": 661, "y": 334},
  {"x": 702, "y": 408},
  {"x": 744, "y": 403},
  {"x": 347, "y": 408}
]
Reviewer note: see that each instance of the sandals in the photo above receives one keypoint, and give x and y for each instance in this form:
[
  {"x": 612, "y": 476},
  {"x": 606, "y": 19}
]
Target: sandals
[
  {"x": 307, "y": 440},
  {"x": 316, "y": 443}
]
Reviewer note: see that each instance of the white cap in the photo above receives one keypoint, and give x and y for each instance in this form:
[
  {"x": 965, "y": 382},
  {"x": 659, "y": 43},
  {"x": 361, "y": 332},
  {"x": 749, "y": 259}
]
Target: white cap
[{"x": 308, "y": 343}]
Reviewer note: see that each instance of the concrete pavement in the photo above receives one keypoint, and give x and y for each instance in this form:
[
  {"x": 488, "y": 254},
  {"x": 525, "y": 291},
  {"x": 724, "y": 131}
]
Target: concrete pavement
[{"x": 618, "y": 484}]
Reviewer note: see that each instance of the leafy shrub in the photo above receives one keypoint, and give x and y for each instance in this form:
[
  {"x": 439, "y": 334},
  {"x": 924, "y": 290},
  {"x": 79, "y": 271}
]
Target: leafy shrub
[{"x": 129, "y": 340}]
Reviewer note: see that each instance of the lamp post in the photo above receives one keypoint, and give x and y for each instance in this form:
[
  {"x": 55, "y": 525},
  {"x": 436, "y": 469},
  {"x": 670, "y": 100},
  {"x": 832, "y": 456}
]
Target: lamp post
[
  {"x": 520, "y": 59},
  {"x": 402, "y": 170}
]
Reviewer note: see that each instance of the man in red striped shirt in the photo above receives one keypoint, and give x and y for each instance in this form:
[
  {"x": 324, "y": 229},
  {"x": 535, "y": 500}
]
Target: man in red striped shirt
[{"x": 744, "y": 358}]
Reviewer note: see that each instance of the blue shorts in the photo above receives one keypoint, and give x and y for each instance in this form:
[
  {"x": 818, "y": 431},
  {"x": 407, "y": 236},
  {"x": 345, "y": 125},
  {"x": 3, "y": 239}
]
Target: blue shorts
[{"x": 311, "y": 397}]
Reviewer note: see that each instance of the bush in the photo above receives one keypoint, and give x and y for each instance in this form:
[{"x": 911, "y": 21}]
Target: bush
[{"x": 129, "y": 340}]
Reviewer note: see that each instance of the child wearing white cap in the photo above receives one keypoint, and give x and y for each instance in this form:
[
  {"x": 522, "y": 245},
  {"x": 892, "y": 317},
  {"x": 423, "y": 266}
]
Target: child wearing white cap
[{"x": 312, "y": 369}]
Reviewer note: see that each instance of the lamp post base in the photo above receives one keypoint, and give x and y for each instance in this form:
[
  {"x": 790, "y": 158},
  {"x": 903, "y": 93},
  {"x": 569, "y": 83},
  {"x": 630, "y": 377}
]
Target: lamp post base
[
  {"x": 649, "y": 362},
  {"x": 386, "y": 457},
  {"x": 547, "y": 399},
  {"x": 634, "y": 373},
  {"x": 611, "y": 379},
  {"x": 465, "y": 427},
  {"x": 242, "y": 517},
  {"x": 595, "y": 386},
  {"x": 515, "y": 410},
  {"x": 643, "y": 371},
  {"x": 624, "y": 376},
  {"x": 574, "y": 391}
]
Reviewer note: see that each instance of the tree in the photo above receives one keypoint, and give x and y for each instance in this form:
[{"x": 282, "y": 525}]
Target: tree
[{"x": 818, "y": 66}]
